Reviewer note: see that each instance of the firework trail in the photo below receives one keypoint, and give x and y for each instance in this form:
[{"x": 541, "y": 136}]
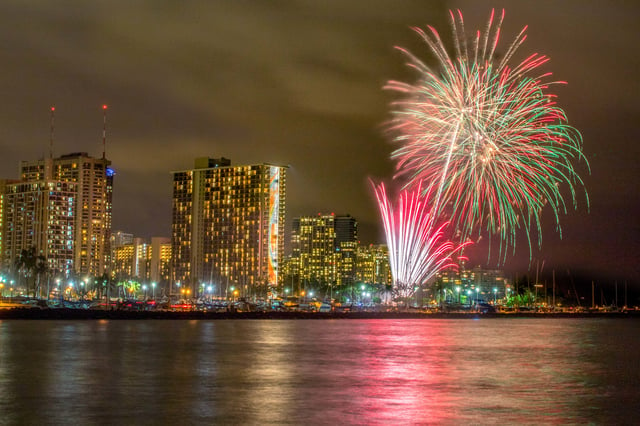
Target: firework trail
[
  {"x": 485, "y": 137},
  {"x": 417, "y": 248}
]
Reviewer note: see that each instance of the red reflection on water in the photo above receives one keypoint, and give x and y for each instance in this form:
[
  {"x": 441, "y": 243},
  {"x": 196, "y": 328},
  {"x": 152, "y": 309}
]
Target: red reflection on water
[{"x": 397, "y": 383}]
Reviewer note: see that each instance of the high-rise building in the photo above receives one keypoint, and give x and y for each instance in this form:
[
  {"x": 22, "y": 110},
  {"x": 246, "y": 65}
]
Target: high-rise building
[
  {"x": 38, "y": 214},
  {"x": 346, "y": 229},
  {"x": 92, "y": 179},
  {"x": 228, "y": 225},
  {"x": 3, "y": 186},
  {"x": 314, "y": 249},
  {"x": 62, "y": 207},
  {"x": 323, "y": 248}
]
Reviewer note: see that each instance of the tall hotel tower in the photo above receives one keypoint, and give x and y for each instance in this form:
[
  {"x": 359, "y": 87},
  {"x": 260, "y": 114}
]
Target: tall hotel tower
[
  {"x": 228, "y": 226},
  {"x": 62, "y": 206}
]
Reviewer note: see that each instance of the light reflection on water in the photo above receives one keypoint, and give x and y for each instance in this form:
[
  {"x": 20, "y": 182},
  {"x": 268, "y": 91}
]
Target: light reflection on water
[{"x": 490, "y": 371}]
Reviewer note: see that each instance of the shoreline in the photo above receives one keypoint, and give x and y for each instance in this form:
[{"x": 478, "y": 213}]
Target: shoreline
[{"x": 82, "y": 314}]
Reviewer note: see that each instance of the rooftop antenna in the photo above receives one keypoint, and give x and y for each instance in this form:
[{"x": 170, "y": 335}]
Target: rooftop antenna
[
  {"x": 53, "y": 113},
  {"x": 104, "y": 131}
]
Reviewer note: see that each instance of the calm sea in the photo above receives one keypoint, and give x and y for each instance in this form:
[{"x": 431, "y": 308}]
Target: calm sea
[{"x": 486, "y": 371}]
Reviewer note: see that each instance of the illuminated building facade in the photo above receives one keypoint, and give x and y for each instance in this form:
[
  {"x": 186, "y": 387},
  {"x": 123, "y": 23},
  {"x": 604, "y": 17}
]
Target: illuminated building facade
[
  {"x": 347, "y": 262},
  {"x": 124, "y": 261},
  {"x": 488, "y": 281},
  {"x": 160, "y": 261},
  {"x": 3, "y": 186},
  {"x": 347, "y": 245},
  {"x": 314, "y": 249},
  {"x": 228, "y": 225},
  {"x": 38, "y": 214},
  {"x": 323, "y": 249},
  {"x": 469, "y": 285},
  {"x": 92, "y": 180},
  {"x": 372, "y": 265},
  {"x": 133, "y": 258}
]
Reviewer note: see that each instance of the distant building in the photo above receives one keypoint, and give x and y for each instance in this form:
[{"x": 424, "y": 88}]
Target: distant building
[
  {"x": 160, "y": 261},
  {"x": 65, "y": 201},
  {"x": 228, "y": 226},
  {"x": 120, "y": 238},
  {"x": 346, "y": 245},
  {"x": 372, "y": 265},
  {"x": 136, "y": 259},
  {"x": 346, "y": 229},
  {"x": 469, "y": 285},
  {"x": 488, "y": 282},
  {"x": 314, "y": 249},
  {"x": 125, "y": 261},
  {"x": 323, "y": 249}
]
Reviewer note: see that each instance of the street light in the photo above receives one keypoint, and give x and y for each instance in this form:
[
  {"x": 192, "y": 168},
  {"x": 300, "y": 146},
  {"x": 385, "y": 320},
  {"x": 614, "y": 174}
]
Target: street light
[
  {"x": 58, "y": 289},
  {"x": 495, "y": 295},
  {"x": 153, "y": 287},
  {"x": 144, "y": 288},
  {"x": 458, "y": 291},
  {"x": 477, "y": 290}
]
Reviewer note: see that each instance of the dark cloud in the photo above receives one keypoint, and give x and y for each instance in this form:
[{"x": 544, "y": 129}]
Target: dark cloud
[{"x": 300, "y": 83}]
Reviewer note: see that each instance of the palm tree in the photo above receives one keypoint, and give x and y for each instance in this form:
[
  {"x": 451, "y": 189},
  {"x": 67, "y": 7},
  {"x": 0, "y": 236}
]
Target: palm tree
[
  {"x": 103, "y": 284},
  {"x": 132, "y": 287},
  {"x": 25, "y": 264},
  {"x": 41, "y": 268}
]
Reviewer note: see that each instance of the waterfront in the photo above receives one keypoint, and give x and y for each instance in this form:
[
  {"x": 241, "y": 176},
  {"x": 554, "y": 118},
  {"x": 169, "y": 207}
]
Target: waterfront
[{"x": 391, "y": 371}]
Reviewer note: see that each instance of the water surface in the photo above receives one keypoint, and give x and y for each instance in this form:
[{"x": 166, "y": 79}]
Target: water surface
[{"x": 440, "y": 371}]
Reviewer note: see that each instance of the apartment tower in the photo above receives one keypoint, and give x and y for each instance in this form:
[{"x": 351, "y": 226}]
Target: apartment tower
[{"x": 93, "y": 179}]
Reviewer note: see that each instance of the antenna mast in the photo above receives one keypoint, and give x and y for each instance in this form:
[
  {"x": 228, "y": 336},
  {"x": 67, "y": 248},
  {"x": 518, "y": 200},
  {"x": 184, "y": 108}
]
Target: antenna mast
[
  {"x": 104, "y": 131},
  {"x": 53, "y": 112}
]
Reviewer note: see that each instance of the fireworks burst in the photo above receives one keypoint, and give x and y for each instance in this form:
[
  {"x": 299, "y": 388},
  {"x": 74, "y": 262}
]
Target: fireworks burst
[
  {"x": 417, "y": 248},
  {"x": 485, "y": 137}
]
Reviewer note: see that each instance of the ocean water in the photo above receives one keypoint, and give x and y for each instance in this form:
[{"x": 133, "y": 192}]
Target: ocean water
[{"x": 425, "y": 371}]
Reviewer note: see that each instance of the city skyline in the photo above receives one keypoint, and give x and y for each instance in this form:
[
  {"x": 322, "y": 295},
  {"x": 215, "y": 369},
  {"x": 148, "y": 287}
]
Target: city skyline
[{"x": 301, "y": 85}]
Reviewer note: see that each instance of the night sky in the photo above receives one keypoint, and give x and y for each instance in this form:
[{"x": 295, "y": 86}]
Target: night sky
[{"x": 299, "y": 83}]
